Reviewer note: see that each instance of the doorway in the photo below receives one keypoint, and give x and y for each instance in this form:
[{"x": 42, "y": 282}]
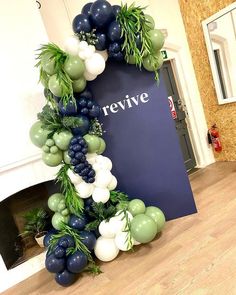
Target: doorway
[{"x": 179, "y": 116}]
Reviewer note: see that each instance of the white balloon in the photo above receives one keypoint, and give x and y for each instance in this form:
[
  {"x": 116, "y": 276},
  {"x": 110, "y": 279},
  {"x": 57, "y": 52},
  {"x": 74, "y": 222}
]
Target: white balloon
[
  {"x": 121, "y": 215},
  {"x": 121, "y": 241},
  {"x": 92, "y": 48},
  {"x": 82, "y": 55},
  {"x": 101, "y": 195},
  {"x": 113, "y": 184},
  {"x": 72, "y": 45},
  {"x": 103, "y": 53},
  {"x": 83, "y": 45},
  {"x": 104, "y": 162},
  {"x": 106, "y": 230},
  {"x": 136, "y": 243},
  {"x": 117, "y": 225},
  {"x": 95, "y": 65},
  {"x": 91, "y": 158},
  {"x": 105, "y": 249},
  {"x": 85, "y": 190},
  {"x": 103, "y": 178},
  {"x": 89, "y": 77},
  {"x": 75, "y": 178}
]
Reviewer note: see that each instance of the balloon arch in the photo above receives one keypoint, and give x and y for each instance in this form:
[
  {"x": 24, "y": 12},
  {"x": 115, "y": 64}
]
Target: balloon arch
[{"x": 91, "y": 219}]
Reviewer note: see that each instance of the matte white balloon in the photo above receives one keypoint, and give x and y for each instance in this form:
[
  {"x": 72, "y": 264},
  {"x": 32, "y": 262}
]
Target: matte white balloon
[
  {"x": 101, "y": 195},
  {"x": 85, "y": 190},
  {"x": 113, "y": 184},
  {"x": 82, "y": 55},
  {"x": 117, "y": 224},
  {"x": 95, "y": 65},
  {"x": 72, "y": 45},
  {"x": 105, "y": 249},
  {"x": 106, "y": 230},
  {"x": 75, "y": 178},
  {"x": 83, "y": 45},
  {"x": 121, "y": 241},
  {"x": 103, "y": 178},
  {"x": 91, "y": 158},
  {"x": 89, "y": 77},
  {"x": 104, "y": 162},
  {"x": 92, "y": 48},
  {"x": 103, "y": 53}
]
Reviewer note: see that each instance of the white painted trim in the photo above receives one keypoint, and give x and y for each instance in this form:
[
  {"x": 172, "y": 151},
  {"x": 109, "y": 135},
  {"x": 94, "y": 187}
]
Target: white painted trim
[
  {"x": 195, "y": 118},
  {"x": 214, "y": 71}
]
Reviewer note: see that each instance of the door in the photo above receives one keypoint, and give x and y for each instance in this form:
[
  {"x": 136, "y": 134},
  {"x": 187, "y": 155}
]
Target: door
[{"x": 180, "y": 123}]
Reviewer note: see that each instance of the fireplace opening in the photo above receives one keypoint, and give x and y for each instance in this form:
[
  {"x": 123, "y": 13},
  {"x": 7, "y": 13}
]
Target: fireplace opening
[{"x": 16, "y": 248}]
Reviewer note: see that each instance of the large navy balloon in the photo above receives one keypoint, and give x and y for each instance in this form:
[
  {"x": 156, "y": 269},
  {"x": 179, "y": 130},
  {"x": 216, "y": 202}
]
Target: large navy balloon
[
  {"x": 54, "y": 264},
  {"x": 114, "y": 47},
  {"x": 116, "y": 9},
  {"x": 114, "y": 32},
  {"x": 83, "y": 126},
  {"x": 65, "y": 278},
  {"x": 81, "y": 23},
  {"x": 69, "y": 110},
  {"x": 101, "y": 42},
  {"x": 86, "y": 9},
  {"x": 59, "y": 252},
  {"x": 66, "y": 242},
  {"x": 76, "y": 222},
  {"x": 88, "y": 239},
  {"x": 85, "y": 94},
  {"x": 48, "y": 237},
  {"x": 101, "y": 13},
  {"x": 77, "y": 262}
]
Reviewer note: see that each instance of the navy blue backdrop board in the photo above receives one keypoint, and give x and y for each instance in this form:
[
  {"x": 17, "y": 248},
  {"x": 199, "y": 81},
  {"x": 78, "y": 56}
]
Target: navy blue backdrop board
[{"x": 141, "y": 139}]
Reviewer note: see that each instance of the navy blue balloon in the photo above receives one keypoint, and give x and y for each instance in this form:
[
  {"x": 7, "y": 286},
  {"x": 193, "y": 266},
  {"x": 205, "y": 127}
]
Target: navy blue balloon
[
  {"x": 54, "y": 264},
  {"x": 86, "y": 9},
  {"x": 89, "y": 201},
  {"x": 76, "y": 262},
  {"x": 116, "y": 9},
  {"x": 88, "y": 239},
  {"x": 114, "y": 47},
  {"x": 69, "y": 110},
  {"x": 85, "y": 94},
  {"x": 95, "y": 111},
  {"x": 65, "y": 278},
  {"x": 118, "y": 56},
  {"x": 66, "y": 241},
  {"x": 82, "y": 127},
  {"x": 59, "y": 252},
  {"x": 114, "y": 32},
  {"x": 81, "y": 23},
  {"x": 101, "y": 13},
  {"x": 102, "y": 41},
  {"x": 77, "y": 222},
  {"x": 82, "y": 102},
  {"x": 48, "y": 237},
  {"x": 138, "y": 41}
]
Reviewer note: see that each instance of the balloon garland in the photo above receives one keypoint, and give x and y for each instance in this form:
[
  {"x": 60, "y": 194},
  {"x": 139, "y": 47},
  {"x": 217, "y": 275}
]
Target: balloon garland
[{"x": 91, "y": 219}]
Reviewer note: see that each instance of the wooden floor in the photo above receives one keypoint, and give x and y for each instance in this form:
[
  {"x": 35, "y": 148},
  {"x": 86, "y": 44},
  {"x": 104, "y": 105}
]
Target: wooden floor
[{"x": 196, "y": 255}]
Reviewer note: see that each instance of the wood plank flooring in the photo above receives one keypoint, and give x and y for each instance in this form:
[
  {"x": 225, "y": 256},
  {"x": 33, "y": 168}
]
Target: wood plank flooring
[{"x": 196, "y": 255}]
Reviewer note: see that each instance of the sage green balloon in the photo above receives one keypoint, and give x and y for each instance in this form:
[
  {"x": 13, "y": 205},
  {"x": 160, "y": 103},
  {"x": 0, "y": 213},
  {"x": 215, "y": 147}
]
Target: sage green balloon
[
  {"x": 157, "y": 39},
  {"x": 143, "y": 228},
  {"x": 66, "y": 157},
  {"x": 151, "y": 22},
  {"x": 52, "y": 160},
  {"x": 136, "y": 206},
  {"x": 93, "y": 143},
  {"x": 131, "y": 60},
  {"x": 157, "y": 215},
  {"x": 74, "y": 67},
  {"x": 38, "y": 135},
  {"x": 102, "y": 146},
  {"x": 54, "y": 86},
  {"x": 62, "y": 139},
  {"x": 58, "y": 219},
  {"x": 153, "y": 63},
  {"x": 79, "y": 85},
  {"x": 48, "y": 64},
  {"x": 54, "y": 200}
]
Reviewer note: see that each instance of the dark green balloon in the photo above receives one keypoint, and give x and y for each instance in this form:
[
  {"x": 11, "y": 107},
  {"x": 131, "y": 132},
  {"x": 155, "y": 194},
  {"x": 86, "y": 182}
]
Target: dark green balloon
[
  {"x": 38, "y": 135},
  {"x": 143, "y": 228},
  {"x": 157, "y": 39}
]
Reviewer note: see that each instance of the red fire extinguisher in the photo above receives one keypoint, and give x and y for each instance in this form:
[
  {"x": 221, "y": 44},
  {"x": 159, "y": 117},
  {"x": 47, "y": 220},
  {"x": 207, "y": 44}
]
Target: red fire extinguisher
[{"x": 214, "y": 138}]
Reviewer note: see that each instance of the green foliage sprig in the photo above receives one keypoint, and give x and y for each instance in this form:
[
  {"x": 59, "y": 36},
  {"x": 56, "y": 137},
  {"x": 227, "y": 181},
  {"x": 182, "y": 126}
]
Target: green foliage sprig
[
  {"x": 95, "y": 128},
  {"x": 127, "y": 230},
  {"x": 72, "y": 198},
  {"x": 59, "y": 57},
  {"x": 90, "y": 37},
  {"x": 79, "y": 246}
]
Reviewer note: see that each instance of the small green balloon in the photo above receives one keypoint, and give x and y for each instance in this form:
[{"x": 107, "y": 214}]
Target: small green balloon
[
  {"x": 143, "y": 228},
  {"x": 66, "y": 157},
  {"x": 52, "y": 160},
  {"x": 157, "y": 215},
  {"x": 46, "y": 149},
  {"x": 38, "y": 135},
  {"x": 62, "y": 139},
  {"x": 53, "y": 149},
  {"x": 150, "y": 20},
  {"x": 153, "y": 63},
  {"x": 79, "y": 85},
  {"x": 48, "y": 64},
  {"x": 50, "y": 142},
  {"x": 136, "y": 207},
  {"x": 58, "y": 220},
  {"x": 93, "y": 142},
  {"x": 65, "y": 212},
  {"x": 102, "y": 146},
  {"x": 74, "y": 67},
  {"x": 157, "y": 39},
  {"x": 55, "y": 86},
  {"x": 54, "y": 201},
  {"x": 131, "y": 60}
]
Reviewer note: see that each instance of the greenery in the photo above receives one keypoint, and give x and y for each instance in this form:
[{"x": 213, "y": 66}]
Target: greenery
[
  {"x": 72, "y": 198},
  {"x": 90, "y": 38},
  {"x": 127, "y": 229},
  {"x": 79, "y": 246},
  {"x": 59, "y": 57},
  {"x": 95, "y": 128},
  {"x": 35, "y": 222}
]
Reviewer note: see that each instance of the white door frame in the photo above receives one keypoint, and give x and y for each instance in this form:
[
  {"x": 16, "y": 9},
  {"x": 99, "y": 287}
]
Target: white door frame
[{"x": 195, "y": 118}]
